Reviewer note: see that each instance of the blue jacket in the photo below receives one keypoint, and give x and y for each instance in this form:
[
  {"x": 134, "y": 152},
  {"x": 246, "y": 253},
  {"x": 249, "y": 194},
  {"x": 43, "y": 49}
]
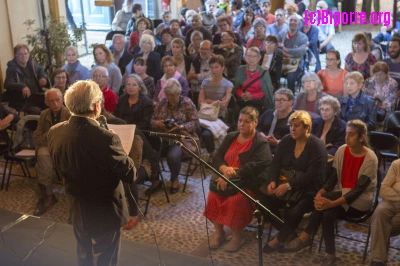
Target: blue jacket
[
  {"x": 80, "y": 73},
  {"x": 238, "y": 20},
  {"x": 365, "y": 110}
]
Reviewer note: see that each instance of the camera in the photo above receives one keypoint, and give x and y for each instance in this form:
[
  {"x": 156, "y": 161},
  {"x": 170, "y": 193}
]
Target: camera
[{"x": 170, "y": 123}]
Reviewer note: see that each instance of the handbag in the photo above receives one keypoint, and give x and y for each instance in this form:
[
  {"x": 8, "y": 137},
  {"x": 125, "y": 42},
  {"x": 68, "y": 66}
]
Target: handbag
[
  {"x": 290, "y": 196},
  {"x": 209, "y": 111},
  {"x": 229, "y": 190}
]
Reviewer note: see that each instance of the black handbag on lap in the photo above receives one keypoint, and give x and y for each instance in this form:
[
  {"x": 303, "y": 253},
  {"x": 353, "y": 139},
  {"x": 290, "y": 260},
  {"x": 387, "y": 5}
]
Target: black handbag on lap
[{"x": 229, "y": 190}]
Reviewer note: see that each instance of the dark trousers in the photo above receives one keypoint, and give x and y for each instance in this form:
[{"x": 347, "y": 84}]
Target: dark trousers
[
  {"x": 292, "y": 215},
  {"x": 208, "y": 140},
  {"x": 292, "y": 77},
  {"x": 328, "y": 223},
  {"x": 102, "y": 250},
  {"x": 349, "y": 6},
  {"x": 141, "y": 177}
]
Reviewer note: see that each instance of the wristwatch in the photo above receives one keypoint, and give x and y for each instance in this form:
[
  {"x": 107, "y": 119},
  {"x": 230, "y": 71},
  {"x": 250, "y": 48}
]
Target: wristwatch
[{"x": 288, "y": 186}]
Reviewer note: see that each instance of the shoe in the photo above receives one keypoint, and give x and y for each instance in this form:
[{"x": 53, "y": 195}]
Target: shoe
[
  {"x": 268, "y": 249},
  {"x": 132, "y": 222},
  {"x": 377, "y": 263},
  {"x": 174, "y": 190},
  {"x": 216, "y": 242},
  {"x": 155, "y": 186},
  {"x": 296, "y": 245},
  {"x": 234, "y": 244},
  {"x": 329, "y": 260},
  {"x": 44, "y": 204}
]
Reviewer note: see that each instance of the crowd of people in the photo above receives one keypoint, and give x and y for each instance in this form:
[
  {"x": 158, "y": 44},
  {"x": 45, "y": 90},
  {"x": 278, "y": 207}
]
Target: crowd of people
[{"x": 306, "y": 143}]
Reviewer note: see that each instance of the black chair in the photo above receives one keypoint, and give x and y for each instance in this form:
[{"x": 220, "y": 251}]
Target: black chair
[
  {"x": 385, "y": 145},
  {"x": 22, "y": 153},
  {"x": 361, "y": 220},
  {"x": 392, "y": 124}
]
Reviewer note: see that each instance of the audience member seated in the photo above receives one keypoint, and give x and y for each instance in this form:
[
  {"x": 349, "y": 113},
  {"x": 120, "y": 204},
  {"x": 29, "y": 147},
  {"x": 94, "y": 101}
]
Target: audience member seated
[
  {"x": 253, "y": 85},
  {"x": 24, "y": 78},
  {"x": 307, "y": 100},
  {"x": 175, "y": 29},
  {"x": 7, "y": 119},
  {"x": 168, "y": 65},
  {"x": 183, "y": 111},
  {"x": 147, "y": 167},
  {"x": 245, "y": 25},
  {"x": 326, "y": 30},
  {"x": 291, "y": 9},
  {"x": 231, "y": 52},
  {"x": 356, "y": 168},
  {"x": 375, "y": 48},
  {"x": 194, "y": 47},
  {"x": 166, "y": 38},
  {"x": 280, "y": 25},
  {"x": 200, "y": 69},
  {"x": 225, "y": 24},
  {"x": 179, "y": 54},
  {"x": 136, "y": 14},
  {"x": 394, "y": 60},
  {"x": 153, "y": 59},
  {"x": 101, "y": 77},
  {"x": 273, "y": 123},
  {"x": 207, "y": 16},
  {"x": 258, "y": 40},
  {"x": 166, "y": 18},
  {"x": 329, "y": 127},
  {"x": 56, "y": 113},
  {"x": 265, "y": 9},
  {"x": 135, "y": 106},
  {"x": 385, "y": 219},
  {"x": 301, "y": 6},
  {"x": 216, "y": 88},
  {"x": 104, "y": 58},
  {"x": 121, "y": 56},
  {"x": 59, "y": 79},
  {"x": 122, "y": 17},
  {"x": 304, "y": 153},
  {"x": 141, "y": 25},
  {"x": 272, "y": 61},
  {"x": 311, "y": 31},
  {"x": 237, "y": 13},
  {"x": 188, "y": 16},
  {"x": 357, "y": 105},
  {"x": 74, "y": 68},
  {"x": 333, "y": 77},
  {"x": 140, "y": 67},
  {"x": 360, "y": 59},
  {"x": 197, "y": 24},
  {"x": 243, "y": 155},
  {"x": 294, "y": 46},
  {"x": 383, "y": 39},
  {"x": 381, "y": 87}
]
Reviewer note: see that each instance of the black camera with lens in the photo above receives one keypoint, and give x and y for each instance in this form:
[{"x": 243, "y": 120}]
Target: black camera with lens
[{"x": 170, "y": 123}]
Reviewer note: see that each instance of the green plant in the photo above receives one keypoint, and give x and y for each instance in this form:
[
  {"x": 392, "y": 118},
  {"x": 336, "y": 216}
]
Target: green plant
[{"x": 59, "y": 39}]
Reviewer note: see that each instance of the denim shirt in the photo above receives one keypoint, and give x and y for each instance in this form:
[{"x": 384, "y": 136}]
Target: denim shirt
[{"x": 364, "y": 109}]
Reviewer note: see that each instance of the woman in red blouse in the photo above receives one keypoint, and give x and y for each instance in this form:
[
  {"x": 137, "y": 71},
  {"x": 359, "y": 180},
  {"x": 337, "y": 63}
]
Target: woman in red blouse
[
  {"x": 243, "y": 155},
  {"x": 142, "y": 24}
]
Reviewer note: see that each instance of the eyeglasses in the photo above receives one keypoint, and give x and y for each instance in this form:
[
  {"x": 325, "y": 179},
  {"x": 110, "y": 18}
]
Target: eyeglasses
[
  {"x": 308, "y": 81},
  {"x": 331, "y": 59},
  {"x": 320, "y": 7},
  {"x": 99, "y": 77},
  {"x": 168, "y": 65},
  {"x": 280, "y": 100},
  {"x": 227, "y": 39},
  {"x": 259, "y": 28},
  {"x": 222, "y": 25},
  {"x": 60, "y": 78}
]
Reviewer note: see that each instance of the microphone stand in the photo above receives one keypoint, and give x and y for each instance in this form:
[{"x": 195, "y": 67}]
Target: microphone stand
[{"x": 257, "y": 212}]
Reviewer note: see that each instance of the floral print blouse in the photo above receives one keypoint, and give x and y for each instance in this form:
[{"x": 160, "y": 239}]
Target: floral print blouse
[
  {"x": 363, "y": 68},
  {"x": 387, "y": 92}
]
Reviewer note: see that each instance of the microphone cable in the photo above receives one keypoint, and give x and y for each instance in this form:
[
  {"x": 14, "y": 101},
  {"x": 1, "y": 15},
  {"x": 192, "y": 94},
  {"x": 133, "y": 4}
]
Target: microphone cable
[
  {"x": 43, "y": 238},
  {"x": 145, "y": 220},
  {"x": 203, "y": 177}
]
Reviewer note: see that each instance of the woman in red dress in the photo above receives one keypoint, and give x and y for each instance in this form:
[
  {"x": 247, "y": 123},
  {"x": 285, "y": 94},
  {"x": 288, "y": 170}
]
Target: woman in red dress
[{"x": 243, "y": 155}]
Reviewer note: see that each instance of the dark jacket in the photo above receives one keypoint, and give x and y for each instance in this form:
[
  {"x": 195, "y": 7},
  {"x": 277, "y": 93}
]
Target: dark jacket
[
  {"x": 365, "y": 110},
  {"x": 4, "y": 112},
  {"x": 124, "y": 60},
  {"x": 275, "y": 69},
  {"x": 311, "y": 162},
  {"x": 93, "y": 163},
  {"x": 15, "y": 80},
  {"x": 254, "y": 162},
  {"x": 139, "y": 114},
  {"x": 217, "y": 38},
  {"x": 334, "y": 137},
  {"x": 232, "y": 60},
  {"x": 206, "y": 35}
]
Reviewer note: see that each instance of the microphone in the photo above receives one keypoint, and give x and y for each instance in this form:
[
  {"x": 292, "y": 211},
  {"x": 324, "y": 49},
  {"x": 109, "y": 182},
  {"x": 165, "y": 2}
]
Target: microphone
[
  {"x": 166, "y": 135},
  {"x": 103, "y": 122}
]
